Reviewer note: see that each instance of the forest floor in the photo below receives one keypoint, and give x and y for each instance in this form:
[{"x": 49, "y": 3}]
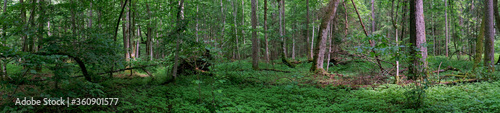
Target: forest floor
[{"x": 235, "y": 87}]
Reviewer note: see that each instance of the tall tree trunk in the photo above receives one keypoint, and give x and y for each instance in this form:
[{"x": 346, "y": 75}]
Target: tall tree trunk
[
  {"x": 23, "y": 22},
  {"x": 243, "y": 22},
  {"x": 255, "y": 40},
  {"x": 265, "y": 32},
  {"x": 4, "y": 27},
  {"x": 31, "y": 21},
  {"x": 149, "y": 40},
  {"x": 330, "y": 44},
  {"x": 285, "y": 50},
  {"x": 3, "y": 65},
  {"x": 497, "y": 20},
  {"x": 306, "y": 34},
  {"x": 446, "y": 26},
  {"x": 180, "y": 24},
  {"x": 479, "y": 45},
  {"x": 223, "y": 18},
  {"x": 281, "y": 28},
  {"x": 90, "y": 16},
  {"x": 132, "y": 38},
  {"x": 197, "y": 22},
  {"x": 126, "y": 31},
  {"x": 489, "y": 36},
  {"x": 293, "y": 38},
  {"x": 319, "y": 50},
  {"x": 417, "y": 35},
  {"x": 235, "y": 32},
  {"x": 312, "y": 42},
  {"x": 373, "y": 16}
]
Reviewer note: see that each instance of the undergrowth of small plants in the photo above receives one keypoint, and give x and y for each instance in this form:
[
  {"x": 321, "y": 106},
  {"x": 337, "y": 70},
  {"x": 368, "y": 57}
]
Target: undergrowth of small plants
[{"x": 235, "y": 87}]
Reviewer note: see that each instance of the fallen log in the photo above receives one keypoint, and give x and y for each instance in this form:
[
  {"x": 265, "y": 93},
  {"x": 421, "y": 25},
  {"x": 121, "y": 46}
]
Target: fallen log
[
  {"x": 276, "y": 70},
  {"x": 447, "y": 69},
  {"x": 140, "y": 67},
  {"x": 461, "y": 75},
  {"x": 460, "y": 81}
]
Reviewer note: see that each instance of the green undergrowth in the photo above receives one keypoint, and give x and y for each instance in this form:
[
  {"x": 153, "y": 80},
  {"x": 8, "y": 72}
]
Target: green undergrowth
[{"x": 235, "y": 87}]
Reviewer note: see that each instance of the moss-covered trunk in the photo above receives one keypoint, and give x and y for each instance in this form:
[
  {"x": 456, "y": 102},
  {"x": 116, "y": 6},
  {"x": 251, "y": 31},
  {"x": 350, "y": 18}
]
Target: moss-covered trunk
[{"x": 319, "y": 50}]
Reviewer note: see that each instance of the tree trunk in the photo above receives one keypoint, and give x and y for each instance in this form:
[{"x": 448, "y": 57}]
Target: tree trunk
[
  {"x": 223, "y": 18},
  {"x": 149, "y": 40},
  {"x": 243, "y": 21},
  {"x": 90, "y": 16},
  {"x": 479, "y": 45},
  {"x": 319, "y": 50},
  {"x": 373, "y": 16},
  {"x": 312, "y": 43},
  {"x": 133, "y": 36},
  {"x": 497, "y": 20},
  {"x": 255, "y": 40},
  {"x": 125, "y": 28},
  {"x": 31, "y": 41},
  {"x": 281, "y": 28},
  {"x": 180, "y": 24},
  {"x": 285, "y": 50},
  {"x": 265, "y": 31},
  {"x": 3, "y": 65},
  {"x": 235, "y": 32},
  {"x": 489, "y": 35},
  {"x": 446, "y": 26},
  {"x": 23, "y": 22},
  {"x": 310, "y": 56},
  {"x": 417, "y": 35},
  {"x": 330, "y": 37}
]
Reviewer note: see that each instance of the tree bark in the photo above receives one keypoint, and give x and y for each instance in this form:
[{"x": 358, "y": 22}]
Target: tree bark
[
  {"x": 223, "y": 18},
  {"x": 497, "y": 20},
  {"x": 479, "y": 45},
  {"x": 31, "y": 21},
  {"x": 417, "y": 35},
  {"x": 489, "y": 35},
  {"x": 373, "y": 16},
  {"x": 23, "y": 22},
  {"x": 265, "y": 32},
  {"x": 255, "y": 40},
  {"x": 285, "y": 50},
  {"x": 447, "y": 37},
  {"x": 180, "y": 25},
  {"x": 3, "y": 65},
  {"x": 126, "y": 28},
  {"x": 319, "y": 50},
  {"x": 149, "y": 40},
  {"x": 243, "y": 21},
  {"x": 90, "y": 16},
  {"x": 330, "y": 44},
  {"x": 235, "y": 32},
  {"x": 310, "y": 56},
  {"x": 281, "y": 29}
]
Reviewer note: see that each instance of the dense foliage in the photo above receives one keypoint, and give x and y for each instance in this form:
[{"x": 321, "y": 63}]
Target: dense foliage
[{"x": 251, "y": 55}]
